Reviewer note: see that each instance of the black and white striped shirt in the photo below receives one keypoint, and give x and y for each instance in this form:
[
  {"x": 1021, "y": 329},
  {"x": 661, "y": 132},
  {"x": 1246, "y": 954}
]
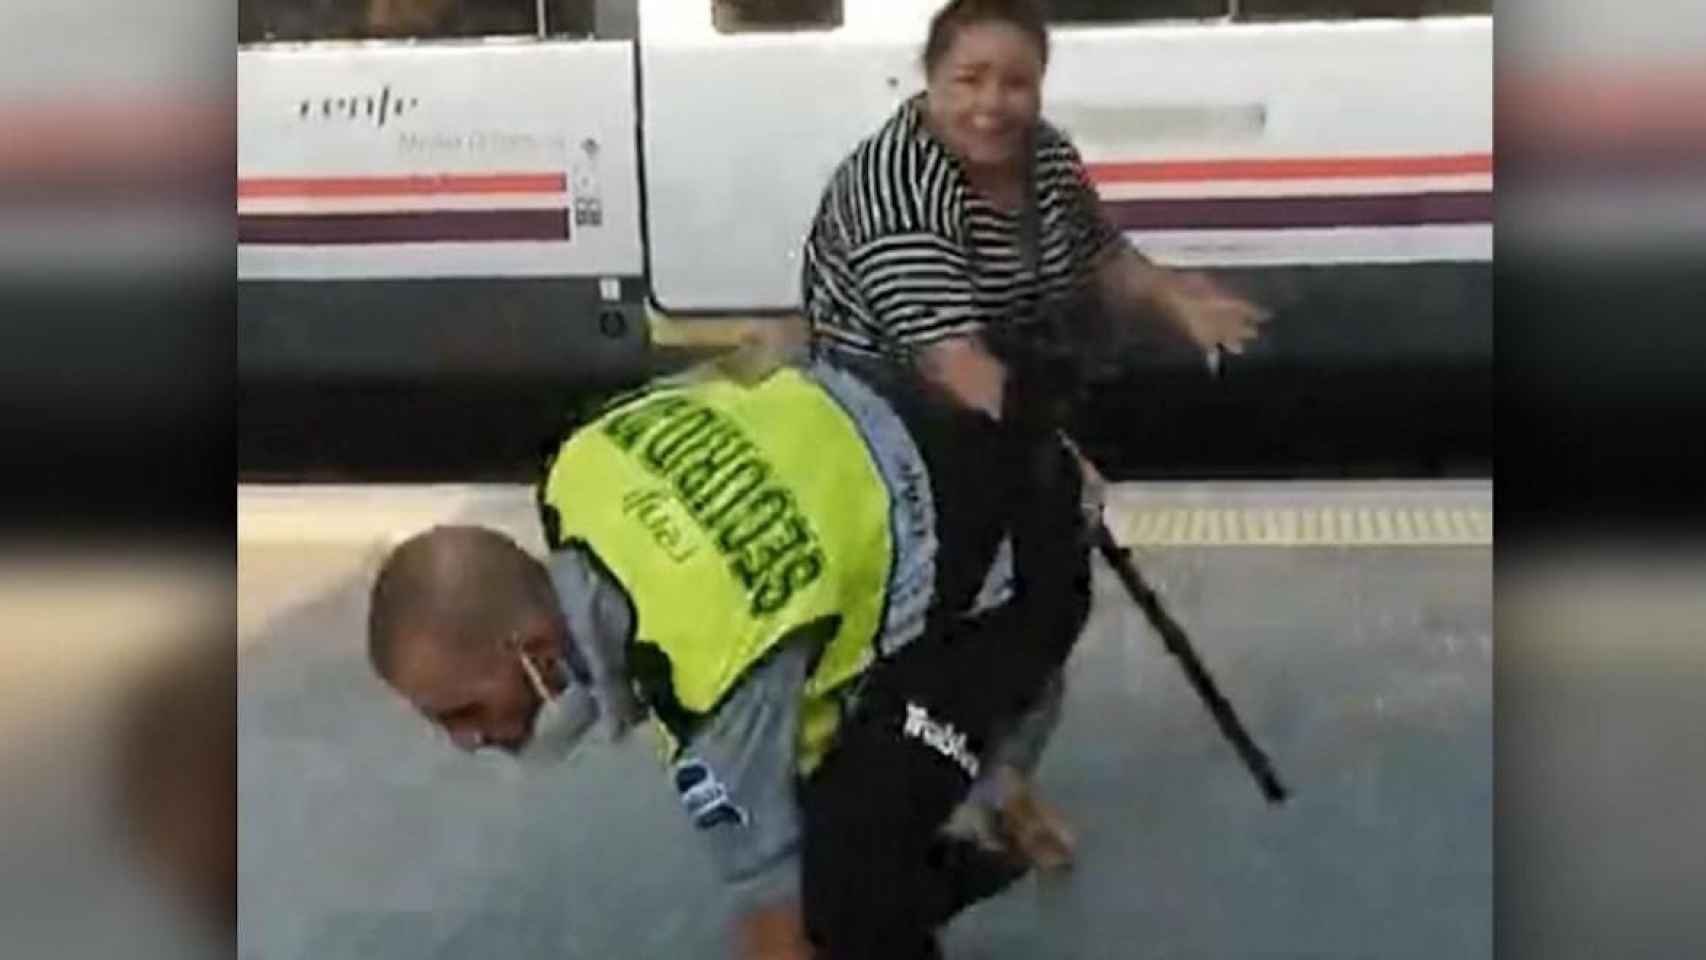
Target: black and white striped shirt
[{"x": 903, "y": 252}]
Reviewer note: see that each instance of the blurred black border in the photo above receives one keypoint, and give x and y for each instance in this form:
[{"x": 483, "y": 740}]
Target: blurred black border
[
  {"x": 1600, "y": 346},
  {"x": 1600, "y": 424}
]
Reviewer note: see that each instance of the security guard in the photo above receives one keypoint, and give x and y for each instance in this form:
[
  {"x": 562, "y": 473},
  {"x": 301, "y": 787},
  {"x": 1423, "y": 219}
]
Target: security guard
[{"x": 830, "y": 594}]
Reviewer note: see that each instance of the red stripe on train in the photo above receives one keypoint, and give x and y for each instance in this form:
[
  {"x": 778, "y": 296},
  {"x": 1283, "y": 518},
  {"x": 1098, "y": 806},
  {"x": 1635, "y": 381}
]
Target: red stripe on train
[
  {"x": 399, "y": 186},
  {"x": 1291, "y": 168}
]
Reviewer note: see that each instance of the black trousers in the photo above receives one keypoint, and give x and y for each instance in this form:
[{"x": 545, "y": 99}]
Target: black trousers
[{"x": 878, "y": 879}]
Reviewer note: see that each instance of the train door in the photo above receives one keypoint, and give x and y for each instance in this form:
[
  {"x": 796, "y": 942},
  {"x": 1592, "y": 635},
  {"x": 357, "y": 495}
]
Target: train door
[{"x": 438, "y": 190}]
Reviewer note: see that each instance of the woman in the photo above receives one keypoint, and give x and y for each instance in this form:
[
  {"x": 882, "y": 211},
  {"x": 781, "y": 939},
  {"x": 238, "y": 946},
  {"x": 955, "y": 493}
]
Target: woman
[{"x": 964, "y": 220}]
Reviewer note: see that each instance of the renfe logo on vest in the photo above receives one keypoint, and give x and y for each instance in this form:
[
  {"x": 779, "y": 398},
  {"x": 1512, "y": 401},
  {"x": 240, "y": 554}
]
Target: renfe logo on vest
[
  {"x": 726, "y": 485},
  {"x": 940, "y": 737}
]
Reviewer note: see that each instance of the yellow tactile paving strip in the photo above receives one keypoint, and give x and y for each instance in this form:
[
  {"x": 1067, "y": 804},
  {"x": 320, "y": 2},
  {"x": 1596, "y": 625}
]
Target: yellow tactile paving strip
[
  {"x": 1137, "y": 515},
  {"x": 718, "y": 332},
  {"x": 1324, "y": 526}
]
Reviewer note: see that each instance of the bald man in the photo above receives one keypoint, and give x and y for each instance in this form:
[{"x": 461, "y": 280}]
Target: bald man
[{"x": 837, "y": 600}]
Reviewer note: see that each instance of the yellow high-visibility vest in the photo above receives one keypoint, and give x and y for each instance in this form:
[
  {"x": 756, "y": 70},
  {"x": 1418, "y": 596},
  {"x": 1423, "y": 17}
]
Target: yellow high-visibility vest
[{"x": 733, "y": 516}]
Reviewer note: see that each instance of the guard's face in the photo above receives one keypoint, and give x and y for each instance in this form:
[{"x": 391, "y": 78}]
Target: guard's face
[
  {"x": 985, "y": 94},
  {"x": 480, "y": 699}
]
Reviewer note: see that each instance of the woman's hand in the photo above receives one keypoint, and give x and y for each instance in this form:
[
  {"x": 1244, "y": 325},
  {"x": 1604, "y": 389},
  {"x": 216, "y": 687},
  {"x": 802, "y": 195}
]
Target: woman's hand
[
  {"x": 966, "y": 369},
  {"x": 1206, "y": 313}
]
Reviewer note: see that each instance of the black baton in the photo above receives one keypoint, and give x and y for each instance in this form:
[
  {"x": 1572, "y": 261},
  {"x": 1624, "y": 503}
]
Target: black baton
[{"x": 1179, "y": 646}]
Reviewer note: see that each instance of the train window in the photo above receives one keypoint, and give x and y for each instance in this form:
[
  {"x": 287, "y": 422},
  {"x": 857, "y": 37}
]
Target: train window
[
  {"x": 571, "y": 18},
  {"x": 1352, "y": 9},
  {"x": 751, "y": 16},
  {"x": 264, "y": 20},
  {"x": 1068, "y": 12}
]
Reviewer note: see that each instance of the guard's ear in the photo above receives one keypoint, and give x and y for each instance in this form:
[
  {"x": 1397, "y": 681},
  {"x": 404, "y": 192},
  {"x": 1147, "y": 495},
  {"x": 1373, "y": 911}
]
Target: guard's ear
[{"x": 536, "y": 640}]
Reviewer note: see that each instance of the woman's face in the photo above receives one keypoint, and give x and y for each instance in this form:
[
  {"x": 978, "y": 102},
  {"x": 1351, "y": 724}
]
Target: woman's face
[{"x": 985, "y": 93}]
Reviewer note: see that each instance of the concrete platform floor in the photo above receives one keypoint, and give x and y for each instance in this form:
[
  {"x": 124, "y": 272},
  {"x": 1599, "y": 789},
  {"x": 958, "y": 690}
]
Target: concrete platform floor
[{"x": 1362, "y": 664}]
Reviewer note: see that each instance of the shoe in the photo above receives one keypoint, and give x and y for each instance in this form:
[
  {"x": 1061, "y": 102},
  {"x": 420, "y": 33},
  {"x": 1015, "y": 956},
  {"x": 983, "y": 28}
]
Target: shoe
[{"x": 1035, "y": 829}]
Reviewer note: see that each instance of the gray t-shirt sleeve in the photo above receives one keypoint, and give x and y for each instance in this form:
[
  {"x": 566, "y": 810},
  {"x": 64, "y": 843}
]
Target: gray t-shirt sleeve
[{"x": 737, "y": 779}]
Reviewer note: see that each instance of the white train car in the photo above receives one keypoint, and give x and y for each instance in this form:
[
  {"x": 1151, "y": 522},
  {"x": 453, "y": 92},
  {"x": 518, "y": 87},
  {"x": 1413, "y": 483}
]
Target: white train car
[{"x": 545, "y": 190}]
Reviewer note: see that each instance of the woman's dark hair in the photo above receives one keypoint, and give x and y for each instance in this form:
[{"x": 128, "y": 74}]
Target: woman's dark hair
[{"x": 945, "y": 27}]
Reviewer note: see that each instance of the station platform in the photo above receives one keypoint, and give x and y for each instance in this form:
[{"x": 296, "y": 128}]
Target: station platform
[{"x": 1350, "y": 624}]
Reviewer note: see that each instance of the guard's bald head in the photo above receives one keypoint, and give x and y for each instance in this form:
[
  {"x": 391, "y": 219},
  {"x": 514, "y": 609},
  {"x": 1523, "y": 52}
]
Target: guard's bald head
[{"x": 460, "y": 588}]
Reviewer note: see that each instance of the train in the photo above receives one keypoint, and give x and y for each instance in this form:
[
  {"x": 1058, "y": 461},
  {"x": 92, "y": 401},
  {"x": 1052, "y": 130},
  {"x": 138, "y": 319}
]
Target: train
[{"x": 446, "y": 221}]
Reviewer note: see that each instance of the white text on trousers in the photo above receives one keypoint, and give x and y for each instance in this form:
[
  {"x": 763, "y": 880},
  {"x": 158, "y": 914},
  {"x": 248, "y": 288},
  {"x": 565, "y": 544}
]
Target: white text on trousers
[{"x": 941, "y": 737}]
